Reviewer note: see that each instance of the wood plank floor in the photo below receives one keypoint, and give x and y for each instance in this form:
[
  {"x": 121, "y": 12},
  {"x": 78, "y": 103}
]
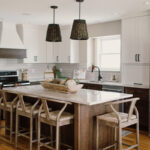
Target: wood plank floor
[{"x": 24, "y": 143}]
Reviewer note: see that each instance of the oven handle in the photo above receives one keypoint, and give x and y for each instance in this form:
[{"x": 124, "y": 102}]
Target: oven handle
[{"x": 9, "y": 76}]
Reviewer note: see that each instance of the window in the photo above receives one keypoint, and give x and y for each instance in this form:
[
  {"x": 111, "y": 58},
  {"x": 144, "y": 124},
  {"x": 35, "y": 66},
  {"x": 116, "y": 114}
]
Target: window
[{"x": 108, "y": 51}]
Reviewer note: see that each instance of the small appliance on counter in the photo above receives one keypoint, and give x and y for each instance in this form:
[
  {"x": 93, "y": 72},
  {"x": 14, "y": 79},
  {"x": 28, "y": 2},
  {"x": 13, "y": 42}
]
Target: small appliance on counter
[
  {"x": 49, "y": 74},
  {"x": 10, "y": 79},
  {"x": 79, "y": 74}
]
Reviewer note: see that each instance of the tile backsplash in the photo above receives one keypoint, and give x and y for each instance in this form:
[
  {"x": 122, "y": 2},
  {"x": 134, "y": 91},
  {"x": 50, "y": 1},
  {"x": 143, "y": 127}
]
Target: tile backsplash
[
  {"x": 67, "y": 71},
  {"x": 36, "y": 71}
]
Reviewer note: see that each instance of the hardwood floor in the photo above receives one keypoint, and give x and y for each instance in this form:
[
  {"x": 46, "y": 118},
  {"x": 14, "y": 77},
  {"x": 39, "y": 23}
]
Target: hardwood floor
[{"x": 24, "y": 143}]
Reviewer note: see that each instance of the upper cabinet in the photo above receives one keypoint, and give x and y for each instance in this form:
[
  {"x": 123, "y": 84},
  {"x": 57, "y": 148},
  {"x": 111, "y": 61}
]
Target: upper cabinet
[
  {"x": 40, "y": 51},
  {"x": 33, "y": 37},
  {"x": 66, "y": 51},
  {"x": 135, "y": 40}
]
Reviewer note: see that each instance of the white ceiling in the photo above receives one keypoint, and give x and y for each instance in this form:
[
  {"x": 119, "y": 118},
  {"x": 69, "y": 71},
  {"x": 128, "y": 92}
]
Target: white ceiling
[{"x": 93, "y": 11}]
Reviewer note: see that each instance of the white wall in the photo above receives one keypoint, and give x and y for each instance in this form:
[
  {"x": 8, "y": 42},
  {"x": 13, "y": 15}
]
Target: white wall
[{"x": 104, "y": 29}]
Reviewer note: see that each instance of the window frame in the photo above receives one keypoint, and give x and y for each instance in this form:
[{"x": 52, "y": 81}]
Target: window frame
[{"x": 100, "y": 53}]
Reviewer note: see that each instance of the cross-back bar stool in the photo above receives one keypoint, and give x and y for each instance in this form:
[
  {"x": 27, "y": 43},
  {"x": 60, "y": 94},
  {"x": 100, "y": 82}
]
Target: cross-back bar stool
[
  {"x": 57, "y": 118},
  {"x": 119, "y": 120},
  {"x": 29, "y": 111},
  {"x": 8, "y": 104}
]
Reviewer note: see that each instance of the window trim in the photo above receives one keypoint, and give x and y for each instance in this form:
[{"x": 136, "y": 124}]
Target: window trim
[{"x": 100, "y": 53}]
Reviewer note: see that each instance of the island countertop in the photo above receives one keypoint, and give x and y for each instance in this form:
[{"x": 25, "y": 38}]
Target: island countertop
[{"x": 83, "y": 96}]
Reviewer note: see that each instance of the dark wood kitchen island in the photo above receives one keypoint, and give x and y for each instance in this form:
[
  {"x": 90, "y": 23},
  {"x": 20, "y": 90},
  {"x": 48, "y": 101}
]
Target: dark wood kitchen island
[{"x": 86, "y": 105}]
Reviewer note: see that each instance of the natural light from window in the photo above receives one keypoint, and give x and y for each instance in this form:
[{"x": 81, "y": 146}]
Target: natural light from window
[{"x": 109, "y": 53}]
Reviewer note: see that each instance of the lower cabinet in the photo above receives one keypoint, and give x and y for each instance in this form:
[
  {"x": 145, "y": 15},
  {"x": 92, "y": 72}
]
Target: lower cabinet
[
  {"x": 92, "y": 86},
  {"x": 142, "y": 105}
]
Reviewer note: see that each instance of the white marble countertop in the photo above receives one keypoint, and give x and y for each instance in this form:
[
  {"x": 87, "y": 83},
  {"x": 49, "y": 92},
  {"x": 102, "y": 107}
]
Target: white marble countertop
[
  {"x": 84, "y": 96},
  {"x": 115, "y": 84}
]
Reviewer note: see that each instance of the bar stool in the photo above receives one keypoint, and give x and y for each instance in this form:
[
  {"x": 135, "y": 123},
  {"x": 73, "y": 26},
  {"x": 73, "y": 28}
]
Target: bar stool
[
  {"x": 8, "y": 105},
  {"x": 28, "y": 111},
  {"x": 119, "y": 120},
  {"x": 56, "y": 119}
]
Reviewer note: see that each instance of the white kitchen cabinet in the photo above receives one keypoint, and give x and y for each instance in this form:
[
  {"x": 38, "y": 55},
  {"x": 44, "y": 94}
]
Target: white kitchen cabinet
[
  {"x": 144, "y": 37},
  {"x": 57, "y": 52},
  {"x": 49, "y": 53},
  {"x": 135, "y": 44},
  {"x": 33, "y": 37},
  {"x": 66, "y": 51}
]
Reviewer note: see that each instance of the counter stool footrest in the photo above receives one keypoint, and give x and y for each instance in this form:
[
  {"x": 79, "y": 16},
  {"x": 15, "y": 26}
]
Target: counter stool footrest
[
  {"x": 132, "y": 147},
  {"x": 47, "y": 146},
  {"x": 66, "y": 145},
  {"x": 110, "y": 146},
  {"x": 1, "y": 127}
]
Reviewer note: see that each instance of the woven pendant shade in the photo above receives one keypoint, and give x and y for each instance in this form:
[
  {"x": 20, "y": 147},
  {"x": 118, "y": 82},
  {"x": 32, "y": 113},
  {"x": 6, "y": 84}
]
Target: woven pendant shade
[
  {"x": 53, "y": 30},
  {"x": 79, "y": 27},
  {"x": 53, "y": 33},
  {"x": 79, "y": 30}
]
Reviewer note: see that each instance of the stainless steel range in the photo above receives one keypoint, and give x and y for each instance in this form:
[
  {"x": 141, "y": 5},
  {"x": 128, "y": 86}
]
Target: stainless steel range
[{"x": 10, "y": 79}]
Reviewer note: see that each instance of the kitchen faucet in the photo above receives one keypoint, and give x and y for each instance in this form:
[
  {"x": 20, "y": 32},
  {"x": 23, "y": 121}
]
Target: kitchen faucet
[{"x": 99, "y": 72}]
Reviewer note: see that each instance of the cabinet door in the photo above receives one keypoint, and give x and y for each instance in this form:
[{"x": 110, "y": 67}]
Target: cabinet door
[
  {"x": 57, "y": 52},
  {"x": 129, "y": 40},
  {"x": 142, "y": 105},
  {"x": 92, "y": 86},
  {"x": 50, "y": 53},
  {"x": 34, "y": 41},
  {"x": 74, "y": 51},
  {"x": 144, "y": 36},
  {"x": 65, "y": 46}
]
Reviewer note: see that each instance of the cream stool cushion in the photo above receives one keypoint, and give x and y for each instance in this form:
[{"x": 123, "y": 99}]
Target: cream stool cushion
[{"x": 111, "y": 117}]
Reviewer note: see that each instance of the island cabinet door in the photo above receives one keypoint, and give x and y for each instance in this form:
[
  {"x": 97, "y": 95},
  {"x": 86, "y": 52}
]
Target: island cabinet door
[
  {"x": 92, "y": 86},
  {"x": 142, "y": 105}
]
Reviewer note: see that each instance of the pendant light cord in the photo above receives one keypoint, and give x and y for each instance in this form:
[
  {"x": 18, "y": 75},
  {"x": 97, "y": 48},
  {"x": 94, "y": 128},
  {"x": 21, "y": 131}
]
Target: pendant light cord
[
  {"x": 53, "y": 16},
  {"x": 79, "y": 10}
]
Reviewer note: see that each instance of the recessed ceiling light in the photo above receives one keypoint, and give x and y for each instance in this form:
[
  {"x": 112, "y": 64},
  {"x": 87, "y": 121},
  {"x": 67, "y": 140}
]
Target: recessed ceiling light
[
  {"x": 26, "y": 14},
  {"x": 147, "y": 2}
]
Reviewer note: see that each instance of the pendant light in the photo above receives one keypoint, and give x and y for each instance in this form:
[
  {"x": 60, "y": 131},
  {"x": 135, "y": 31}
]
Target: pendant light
[
  {"x": 53, "y": 31},
  {"x": 79, "y": 28}
]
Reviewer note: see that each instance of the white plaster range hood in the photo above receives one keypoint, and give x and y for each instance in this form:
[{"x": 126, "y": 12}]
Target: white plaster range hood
[{"x": 11, "y": 45}]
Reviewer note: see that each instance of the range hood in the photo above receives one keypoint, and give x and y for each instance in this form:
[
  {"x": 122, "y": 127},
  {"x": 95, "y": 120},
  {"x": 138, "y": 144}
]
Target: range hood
[{"x": 11, "y": 45}]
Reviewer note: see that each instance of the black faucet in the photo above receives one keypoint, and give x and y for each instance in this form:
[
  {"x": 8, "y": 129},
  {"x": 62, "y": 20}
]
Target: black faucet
[{"x": 99, "y": 72}]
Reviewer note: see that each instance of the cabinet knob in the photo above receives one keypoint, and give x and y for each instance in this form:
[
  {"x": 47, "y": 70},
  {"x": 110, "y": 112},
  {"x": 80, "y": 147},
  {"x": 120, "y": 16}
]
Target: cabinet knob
[
  {"x": 138, "y": 57},
  {"x": 69, "y": 59},
  {"x": 57, "y": 58},
  {"x": 35, "y": 58}
]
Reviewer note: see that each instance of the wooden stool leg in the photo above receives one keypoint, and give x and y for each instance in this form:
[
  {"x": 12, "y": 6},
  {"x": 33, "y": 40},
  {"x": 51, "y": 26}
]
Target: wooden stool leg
[
  {"x": 137, "y": 135},
  {"x": 120, "y": 138},
  {"x": 51, "y": 134},
  {"x": 31, "y": 132},
  {"x": 17, "y": 122},
  {"x": 97, "y": 134},
  {"x": 57, "y": 137},
  {"x": 115, "y": 139},
  {"x": 39, "y": 133},
  {"x": 11, "y": 125},
  {"x": 0, "y": 120},
  {"x": 36, "y": 127}
]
